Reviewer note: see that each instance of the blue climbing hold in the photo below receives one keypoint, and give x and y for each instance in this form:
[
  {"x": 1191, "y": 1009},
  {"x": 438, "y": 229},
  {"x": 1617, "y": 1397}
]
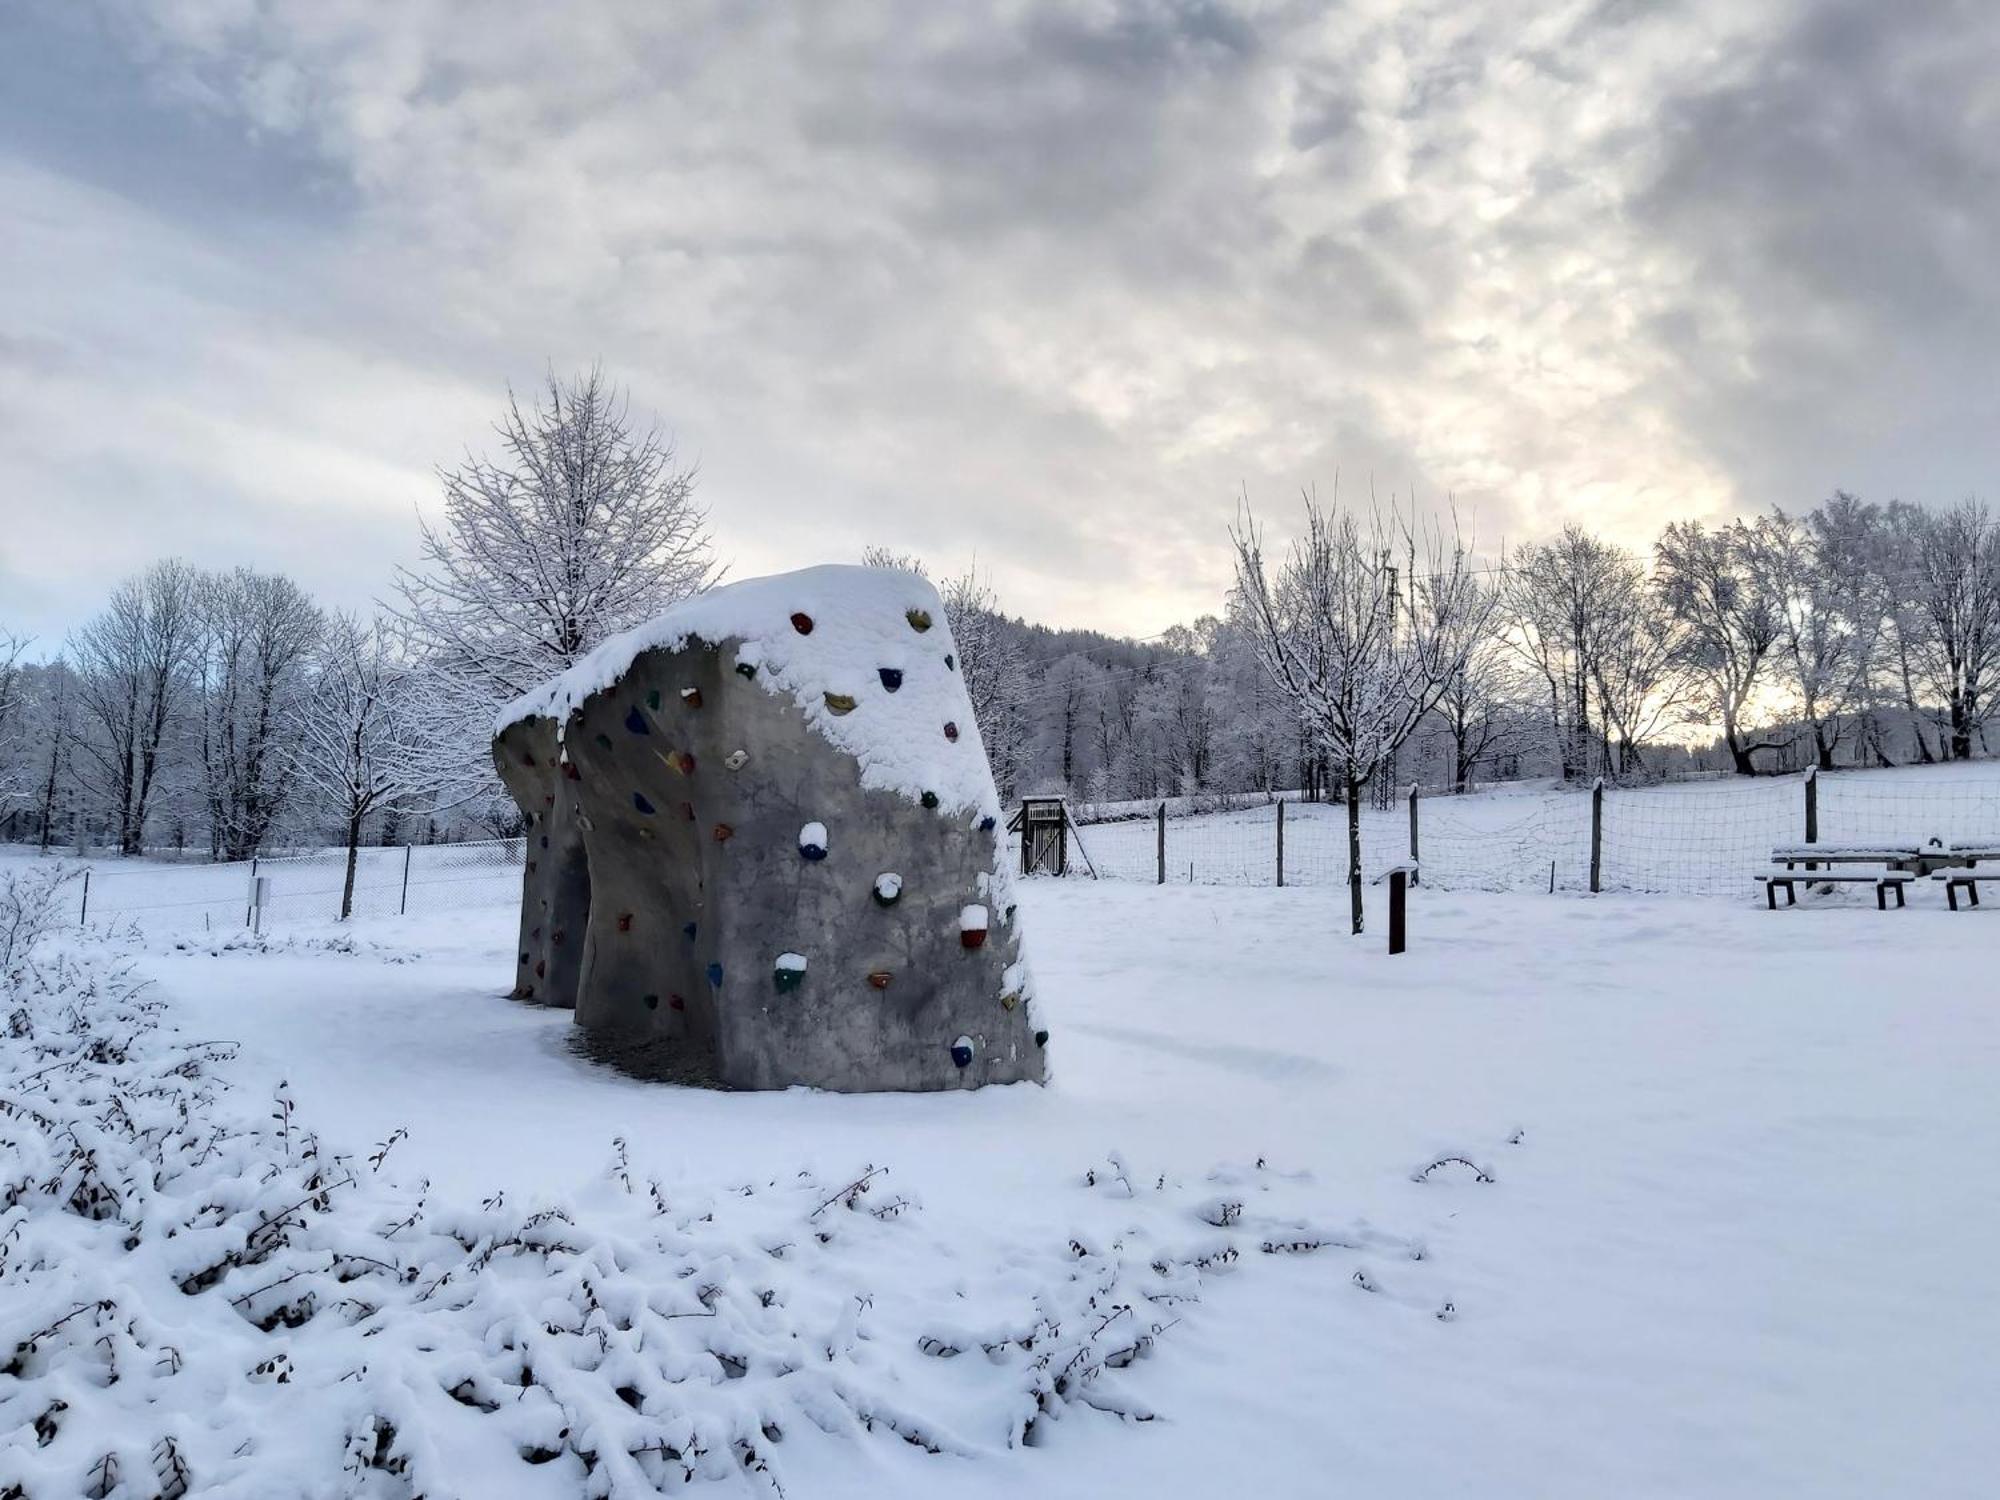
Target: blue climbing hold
[
  {"x": 892, "y": 677},
  {"x": 961, "y": 1052},
  {"x": 636, "y": 721},
  {"x": 689, "y": 930},
  {"x": 639, "y": 801},
  {"x": 715, "y": 975},
  {"x": 986, "y": 824}
]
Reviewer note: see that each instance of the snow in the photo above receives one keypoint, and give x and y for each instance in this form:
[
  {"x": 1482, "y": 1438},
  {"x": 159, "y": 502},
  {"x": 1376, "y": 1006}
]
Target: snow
[
  {"x": 1733, "y": 1245},
  {"x": 794, "y": 962},
  {"x": 914, "y": 737}
]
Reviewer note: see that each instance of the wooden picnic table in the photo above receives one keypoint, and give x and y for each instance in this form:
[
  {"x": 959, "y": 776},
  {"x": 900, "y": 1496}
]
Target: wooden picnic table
[{"x": 1955, "y": 865}]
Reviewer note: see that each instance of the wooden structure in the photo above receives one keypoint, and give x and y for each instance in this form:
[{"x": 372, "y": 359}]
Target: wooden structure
[{"x": 1043, "y": 823}]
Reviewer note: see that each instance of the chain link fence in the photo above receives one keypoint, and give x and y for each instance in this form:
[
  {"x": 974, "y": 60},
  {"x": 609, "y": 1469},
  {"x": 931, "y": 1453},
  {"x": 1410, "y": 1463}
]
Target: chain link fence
[
  {"x": 413, "y": 879},
  {"x": 1701, "y": 838}
]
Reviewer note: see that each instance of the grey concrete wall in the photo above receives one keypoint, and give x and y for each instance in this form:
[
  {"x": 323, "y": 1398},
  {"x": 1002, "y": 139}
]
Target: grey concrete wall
[
  {"x": 555, "y": 875},
  {"x": 698, "y": 886}
]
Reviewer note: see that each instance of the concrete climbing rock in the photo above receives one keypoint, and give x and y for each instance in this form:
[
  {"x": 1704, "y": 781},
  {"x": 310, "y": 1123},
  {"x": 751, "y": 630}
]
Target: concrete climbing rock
[{"x": 793, "y": 721}]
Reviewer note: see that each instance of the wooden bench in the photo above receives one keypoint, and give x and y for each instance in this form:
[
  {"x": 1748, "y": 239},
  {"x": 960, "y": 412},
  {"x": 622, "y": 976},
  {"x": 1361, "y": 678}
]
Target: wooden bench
[
  {"x": 1955, "y": 881},
  {"x": 1883, "y": 881}
]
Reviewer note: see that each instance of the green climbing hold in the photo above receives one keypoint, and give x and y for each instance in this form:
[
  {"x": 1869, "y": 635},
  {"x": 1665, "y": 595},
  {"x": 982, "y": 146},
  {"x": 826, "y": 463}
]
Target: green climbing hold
[
  {"x": 653, "y": 699},
  {"x": 920, "y": 619}
]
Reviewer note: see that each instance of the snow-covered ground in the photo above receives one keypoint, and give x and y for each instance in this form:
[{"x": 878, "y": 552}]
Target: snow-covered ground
[{"x": 1737, "y": 1241}]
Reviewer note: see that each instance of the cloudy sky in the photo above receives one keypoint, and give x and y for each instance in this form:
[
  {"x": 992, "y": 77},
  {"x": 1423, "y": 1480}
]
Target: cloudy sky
[{"x": 1042, "y": 285}]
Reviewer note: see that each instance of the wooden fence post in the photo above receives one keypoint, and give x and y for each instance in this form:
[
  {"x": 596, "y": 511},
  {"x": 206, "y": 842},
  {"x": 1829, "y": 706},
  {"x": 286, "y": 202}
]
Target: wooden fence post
[
  {"x": 403, "y": 906},
  {"x": 1812, "y": 804},
  {"x": 1163, "y": 843},
  {"x": 1416, "y": 870},
  {"x": 250, "y": 906},
  {"x": 1398, "y": 894},
  {"x": 1597, "y": 836},
  {"x": 1281, "y": 841},
  {"x": 84, "y": 911}
]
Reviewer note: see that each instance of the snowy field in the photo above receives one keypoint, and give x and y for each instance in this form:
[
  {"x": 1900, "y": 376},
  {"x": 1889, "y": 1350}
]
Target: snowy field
[{"x": 1736, "y": 1242}]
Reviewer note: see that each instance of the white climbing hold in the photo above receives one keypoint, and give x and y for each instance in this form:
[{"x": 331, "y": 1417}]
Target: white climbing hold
[
  {"x": 889, "y": 885},
  {"x": 735, "y": 759}
]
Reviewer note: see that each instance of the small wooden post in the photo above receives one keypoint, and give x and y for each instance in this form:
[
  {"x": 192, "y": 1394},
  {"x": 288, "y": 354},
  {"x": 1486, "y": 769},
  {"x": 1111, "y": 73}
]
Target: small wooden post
[
  {"x": 250, "y": 908},
  {"x": 1281, "y": 841},
  {"x": 1416, "y": 870},
  {"x": 84, "y": 911},
  {"x": 403, "y": 906},
  {"x": 259, "y": 888},
  {"x": 1398, "y": 894},
  {"x": 1812, "y": 804},
  {"x": 1163, "y": 843},
  {"x": 1597, "y": 836}
]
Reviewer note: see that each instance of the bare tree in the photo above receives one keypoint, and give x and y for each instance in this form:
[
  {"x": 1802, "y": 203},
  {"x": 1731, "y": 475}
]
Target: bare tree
[
  {"x": 584, "y": 529},
  {"x": 369, "y": 742},
  {"x": 1362, "y": 671},
  {"x": 1827, "y": 633},
  {"x": 13, "y": 776},
  {"x": 875, "y": 556},
  {"x": 56, "y": 730},
  {"x": 132, "y": 665},
  {"x": 990, "y": 661},
  {"x": 1728, "y": 621},
  {"x": 1954, "y": 588},
  {"x": 1562, "y": 598},
  {"x": 257, "y": 635}
]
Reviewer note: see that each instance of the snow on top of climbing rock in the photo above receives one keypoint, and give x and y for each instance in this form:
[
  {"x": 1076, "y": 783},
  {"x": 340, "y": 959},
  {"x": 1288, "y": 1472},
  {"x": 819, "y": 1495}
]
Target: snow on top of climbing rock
[{"x": 824, "y": 636}]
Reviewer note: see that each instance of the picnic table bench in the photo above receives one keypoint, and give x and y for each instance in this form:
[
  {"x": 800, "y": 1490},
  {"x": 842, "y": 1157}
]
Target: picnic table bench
[
  {"x": 1788, "y": 879},
  {"x": 1893, "y": 864}
]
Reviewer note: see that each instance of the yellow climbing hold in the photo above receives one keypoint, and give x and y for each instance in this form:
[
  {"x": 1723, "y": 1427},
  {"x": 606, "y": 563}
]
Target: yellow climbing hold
[{"x": 839, "y": 703}]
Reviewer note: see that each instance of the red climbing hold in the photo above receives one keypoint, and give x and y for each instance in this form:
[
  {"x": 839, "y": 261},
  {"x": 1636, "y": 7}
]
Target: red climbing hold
[
  {"x": 691, "y": 696},
  {"x": 802, "y": 623},
  {"x": 674, "y": 1002},
  {"x": 723, "y": 832},
  {"x": 624, "y": 921},
  {"x": 951, "y": 732}
]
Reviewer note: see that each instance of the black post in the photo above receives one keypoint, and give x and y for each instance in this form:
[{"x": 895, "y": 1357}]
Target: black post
[
  {"x": 1398, "y": 882},
  {"x": 1597, "y": 836},
  {"x": 403, "y": 906},
  {"x": 250, "y": 905},
  {"x": 84, "y": 912},
  {"x": 1416, "y": 870},
  {"x": 1812, "y": 804},
  {"x": 1281, "y": 841},
  {"x": 1163, "y": 843}
]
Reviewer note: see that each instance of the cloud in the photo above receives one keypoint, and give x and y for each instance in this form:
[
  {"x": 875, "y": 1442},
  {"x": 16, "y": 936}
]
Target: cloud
[{"x": 1045, "y": 283}]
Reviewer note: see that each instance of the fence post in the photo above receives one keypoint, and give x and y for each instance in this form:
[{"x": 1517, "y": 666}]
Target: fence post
[
  {"x": 250, "y": 908},
  {"x": 1281, "y": 841},
  {"x": 1397, "y": 895},
  {"x": 83, "y": 912},
  {"x": 259, "y": 886},
  {"x": 1812, "y": 804},
  {"x": 1163, "y": 843},
  {"x": 1597, "y": 836},
  {"x": 403, "y": 906},
  {"x": 1416, "y": 870}
]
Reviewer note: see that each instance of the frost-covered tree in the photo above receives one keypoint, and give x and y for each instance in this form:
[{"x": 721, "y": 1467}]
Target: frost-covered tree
[
  {"x": 1364, "y": 626},
  {"x": 584, "y": 527},
  {"x": 256, "y": 638},
  {"x": 991, "y": 662},
  {"x": 1828, "y": 632},
  {"x": 1954, "y": 589},
  {"x": 369, "y": 742},
  {"x": 133, "y": 673},
  {"x": 1563, "y": 597},
  {"x": 14, "y": 777},
  {"x": 1728, "y": 622}
]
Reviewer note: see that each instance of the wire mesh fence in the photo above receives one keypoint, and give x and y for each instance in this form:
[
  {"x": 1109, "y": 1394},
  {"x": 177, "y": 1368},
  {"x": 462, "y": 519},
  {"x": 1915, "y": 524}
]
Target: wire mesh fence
[
  {"x": 412, "y": 879},
  {"x": 1700, "y": 838}
]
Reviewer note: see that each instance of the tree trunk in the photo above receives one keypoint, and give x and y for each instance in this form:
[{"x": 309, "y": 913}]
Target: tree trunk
[
  {"x": 1354, "y": 852},
  {"x": 353, "y": 855}
]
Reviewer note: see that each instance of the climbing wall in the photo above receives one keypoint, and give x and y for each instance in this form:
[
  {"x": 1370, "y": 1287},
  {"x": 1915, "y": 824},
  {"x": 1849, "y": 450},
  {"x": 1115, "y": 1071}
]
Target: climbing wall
[
  {"x": 555, "y": 875},
  {"x": 796, "y": 865}
]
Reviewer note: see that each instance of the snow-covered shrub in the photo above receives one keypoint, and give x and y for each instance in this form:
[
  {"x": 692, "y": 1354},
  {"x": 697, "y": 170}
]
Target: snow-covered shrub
[{"x": 31, "y": 904}]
